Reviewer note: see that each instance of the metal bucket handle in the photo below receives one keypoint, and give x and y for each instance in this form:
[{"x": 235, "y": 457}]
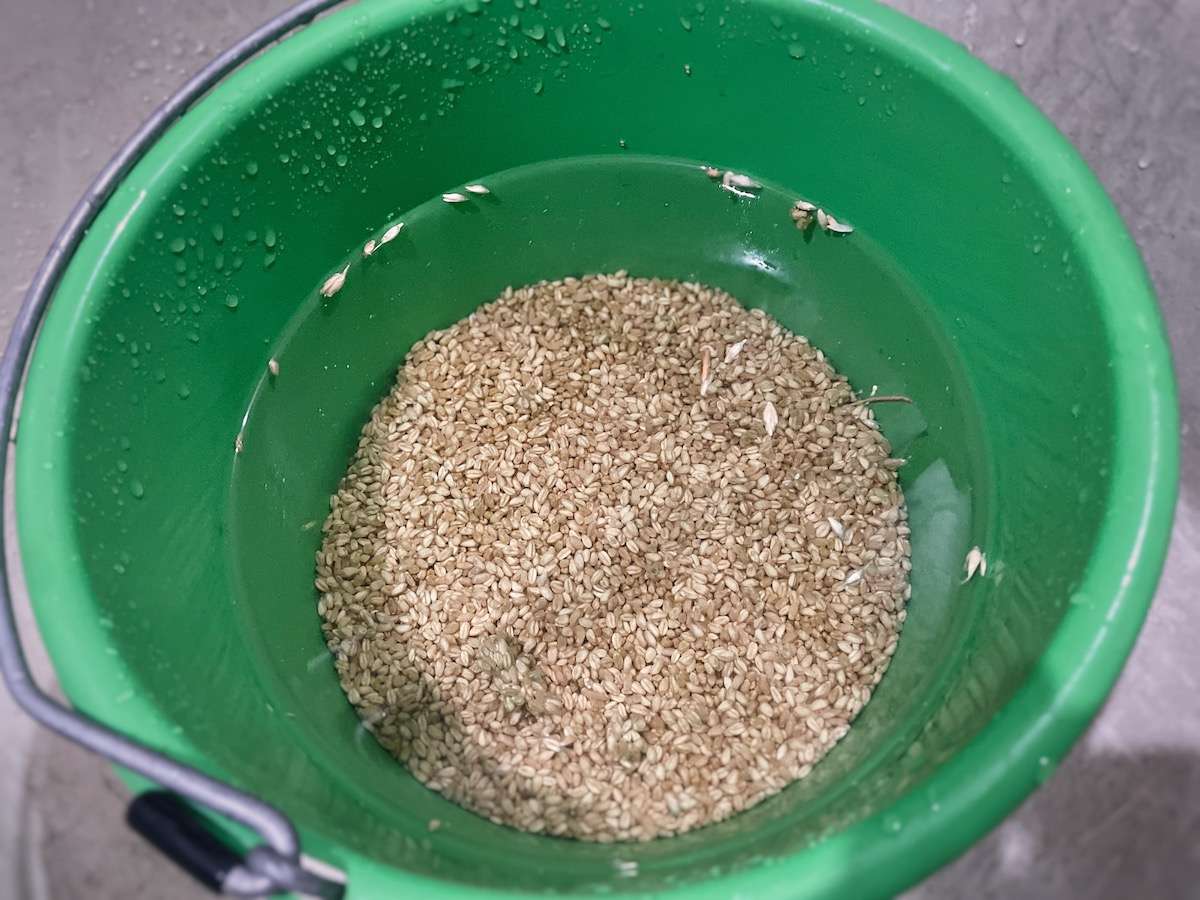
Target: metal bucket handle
[{"x": 275, "y": 866}]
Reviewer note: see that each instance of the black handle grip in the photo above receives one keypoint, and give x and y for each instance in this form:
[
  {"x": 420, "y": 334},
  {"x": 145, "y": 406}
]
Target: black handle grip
[{"x": 170, "y": 825}]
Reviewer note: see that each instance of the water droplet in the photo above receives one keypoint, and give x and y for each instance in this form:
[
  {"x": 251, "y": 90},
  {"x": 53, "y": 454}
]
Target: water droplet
[
  {"x": 341, "y": 159},
  {"x": 122, "y": 466},
  {"x": 178, "y": 245},
  {"x": 252, "y": 168},
  {"x": 1045, "y": 769},
  {"x": 184, "y": 392},
  {"x": 1144, "y": 163},
  {"x": 862, "y": 101},
  {"x": 604, "y": 23},
  {"x": 473, "y": 63},
  {"x": 377, "y": 122},
  {"x": 878, "y": 71},
  {"x": 269, "y": 238},
  {"x": 231, "y": 301},
  {"x": 538, "y": 87},
  {"x": 685, "y": 23},
  {"x": 218, "y": 232},
  {"x": 357, "y": 118},
  {"x": 1006, "y": 178},
  {"x": 137, "y": 489},
  {"x": 560, "y": 37},
  {"x": 776, "y": 22},
  {"x": 534, "y": 32},
  {"x": 453, "y": 84},
  {"x": 179, "y": 210},
  {"x": 193, "y": 337},
  {"x": 796, "y": 51},
  {"x": 350, "y": 64},
  {"x": 893, "y": 825}
]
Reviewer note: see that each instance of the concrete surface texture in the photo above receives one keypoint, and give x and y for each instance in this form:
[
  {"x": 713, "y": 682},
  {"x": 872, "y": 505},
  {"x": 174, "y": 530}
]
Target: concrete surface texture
[{"x": 1121, "y": 78}]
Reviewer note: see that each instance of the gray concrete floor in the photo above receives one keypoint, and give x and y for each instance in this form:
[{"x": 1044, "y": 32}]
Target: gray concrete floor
[{"x": 1121, "y": 818}]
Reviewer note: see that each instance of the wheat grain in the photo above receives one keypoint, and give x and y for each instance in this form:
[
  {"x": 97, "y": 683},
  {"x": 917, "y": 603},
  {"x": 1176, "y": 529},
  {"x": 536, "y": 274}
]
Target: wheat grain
[
  {"x": 574, "y": 597},
  {"x": 334, "y": 283}
]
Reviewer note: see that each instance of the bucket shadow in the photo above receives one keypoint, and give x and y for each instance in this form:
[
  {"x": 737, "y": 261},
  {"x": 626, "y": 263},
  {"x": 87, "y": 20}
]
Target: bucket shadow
[
  {"x": 74, "y": 841},
  {"x": 467, "y": 769},
  {"x": 1107, "y": 826}
]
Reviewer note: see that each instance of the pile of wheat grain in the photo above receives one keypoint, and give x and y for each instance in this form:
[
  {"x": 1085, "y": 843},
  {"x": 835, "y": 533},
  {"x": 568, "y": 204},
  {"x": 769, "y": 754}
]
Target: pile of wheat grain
[{"x": 574, "y": 594}]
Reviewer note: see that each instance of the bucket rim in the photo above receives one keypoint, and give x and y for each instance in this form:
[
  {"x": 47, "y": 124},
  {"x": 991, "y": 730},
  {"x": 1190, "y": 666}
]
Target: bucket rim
[{"x": 974, "y": 789}]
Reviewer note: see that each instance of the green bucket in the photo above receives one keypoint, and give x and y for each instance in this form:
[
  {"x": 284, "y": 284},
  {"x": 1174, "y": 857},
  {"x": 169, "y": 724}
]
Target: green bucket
[{"x": 989, "y": 279}]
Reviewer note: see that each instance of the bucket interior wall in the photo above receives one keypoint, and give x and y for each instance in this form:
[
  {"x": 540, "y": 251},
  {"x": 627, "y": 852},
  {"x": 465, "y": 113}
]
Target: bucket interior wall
[{"x": 206, "y": 265}]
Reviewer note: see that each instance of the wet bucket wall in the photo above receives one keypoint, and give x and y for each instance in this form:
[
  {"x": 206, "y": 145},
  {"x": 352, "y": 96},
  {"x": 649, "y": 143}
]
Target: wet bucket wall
[{"x": 989, "y": 279}]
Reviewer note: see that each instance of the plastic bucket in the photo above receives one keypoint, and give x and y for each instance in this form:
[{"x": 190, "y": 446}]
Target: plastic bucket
[{"x": 989, "y": 279}]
